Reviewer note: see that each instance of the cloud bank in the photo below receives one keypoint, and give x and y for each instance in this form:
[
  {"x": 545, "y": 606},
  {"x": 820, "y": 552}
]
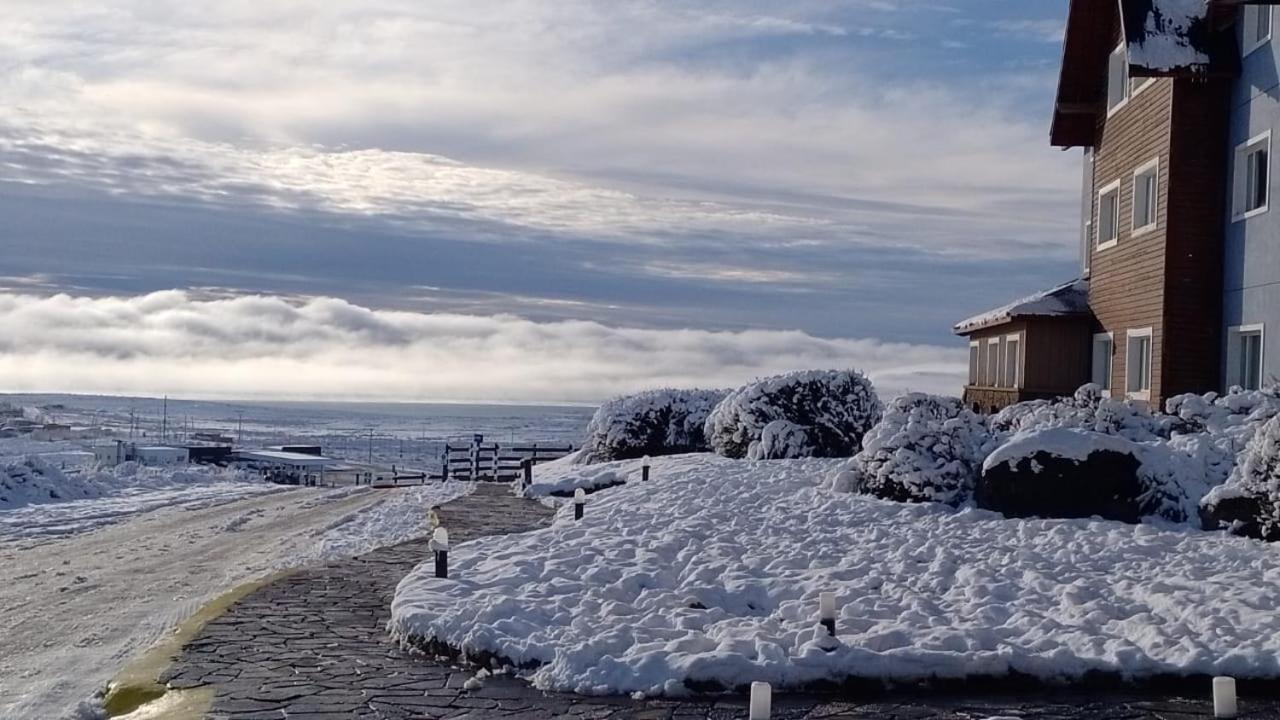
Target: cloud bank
[{"x": 268, "y": 347}]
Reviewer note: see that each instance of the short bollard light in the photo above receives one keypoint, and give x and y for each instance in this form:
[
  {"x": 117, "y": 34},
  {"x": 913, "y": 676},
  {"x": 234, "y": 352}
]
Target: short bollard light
[
  {"x": 827, "y": 612},
  {"x": 440, "y": 544},
  {"x": 528, "y": 472},
  {"x": 579, "y": 500},
  {"x": 1224, "y": 697},
  {"x": 645, "y": 462},
  {"x": 761, "y": 701}
]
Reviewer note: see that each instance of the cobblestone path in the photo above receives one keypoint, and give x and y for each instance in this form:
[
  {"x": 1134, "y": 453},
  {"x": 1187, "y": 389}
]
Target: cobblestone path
[{"x": 314, "y": 645}]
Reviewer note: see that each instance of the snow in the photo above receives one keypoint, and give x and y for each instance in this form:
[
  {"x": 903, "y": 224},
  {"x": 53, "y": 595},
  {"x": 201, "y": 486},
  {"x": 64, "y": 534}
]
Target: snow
[
  {"x": 31, "y": 479},
  {"x": 712, "y": 570},
  {"x": 1069, "y": 298},
  {"x": 833, "y": 408},
  {"x": 561, "y": 477},
  {"x": 655, "y": 422},
  {"x": 96, "y": 580},
  {"x": 926, "y": 448},
  {"x": 1166, "y": 41},
  {"x": 1066, "y": 443},
  {"x": 1256, "y": 475}
]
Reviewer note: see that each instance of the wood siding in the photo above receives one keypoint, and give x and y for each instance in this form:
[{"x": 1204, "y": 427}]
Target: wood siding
[
  {"x": 1054, "y": 361},
  {"x": 1168, "y": 278}
]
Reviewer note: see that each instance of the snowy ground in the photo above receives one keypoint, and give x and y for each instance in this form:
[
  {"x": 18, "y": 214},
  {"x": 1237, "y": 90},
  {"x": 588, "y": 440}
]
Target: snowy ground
[
  {"x": 711, "y": 572},
  {"x": 561, "y": 477},
  {"x": 90, "y": 583}
]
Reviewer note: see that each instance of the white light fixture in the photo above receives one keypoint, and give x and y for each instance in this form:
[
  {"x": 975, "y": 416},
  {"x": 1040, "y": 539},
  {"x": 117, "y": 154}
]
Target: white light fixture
[
  {"x": 440, "y": 538},
  {"x": 761, "y": 701},
  {"x": 1224, "y": 697}
]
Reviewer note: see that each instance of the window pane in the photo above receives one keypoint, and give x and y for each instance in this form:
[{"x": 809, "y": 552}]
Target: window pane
[
  {"x": 1250, "y": 361},
  {"x": 1144, "y": 194},
  {"x": 1117, "y": 78},
  {"x": 1011, "y": 363},
  {"x": 1263, "y": 28},
  {"x": 993, "y": 365},
  {"x": 973, "y": 364},
  {"x": 1258, "y": 179},
  {"x": 1102, "y": 363}
]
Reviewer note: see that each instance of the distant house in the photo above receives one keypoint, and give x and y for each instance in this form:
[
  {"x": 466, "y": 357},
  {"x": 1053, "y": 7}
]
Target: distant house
[
  {"x": 288, "y": 467},
  {"x": 1175, "y": 178}
]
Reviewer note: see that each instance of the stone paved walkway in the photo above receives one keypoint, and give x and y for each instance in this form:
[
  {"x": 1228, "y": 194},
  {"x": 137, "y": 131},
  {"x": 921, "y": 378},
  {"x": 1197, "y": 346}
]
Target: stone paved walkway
[{"x": 314, "y": 645}]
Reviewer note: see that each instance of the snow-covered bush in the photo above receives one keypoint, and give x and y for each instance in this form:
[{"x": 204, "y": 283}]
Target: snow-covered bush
[
  {"x": 781, "y": 440},
  {"x": 926, "y": 448},
  {"x": 834, "y": 408},
  {"x": 1087, "y": 409},
  {"x": 655, "y": 422},
  {"x": 1248, "y": 503},
  {"x": 1214, "y": 430},
  {"x": 1062, "y": 472}
]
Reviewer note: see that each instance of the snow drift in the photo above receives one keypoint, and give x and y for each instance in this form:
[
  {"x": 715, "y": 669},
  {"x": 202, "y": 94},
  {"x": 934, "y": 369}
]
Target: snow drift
[{"x": 710, "y": 574}]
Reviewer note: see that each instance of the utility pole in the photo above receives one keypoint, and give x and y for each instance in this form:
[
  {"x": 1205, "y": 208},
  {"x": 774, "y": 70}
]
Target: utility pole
[
  {"x": 240, "y": 427},
  {"x": 370, "y": 446},
  {"x": 164, "y": 422}
]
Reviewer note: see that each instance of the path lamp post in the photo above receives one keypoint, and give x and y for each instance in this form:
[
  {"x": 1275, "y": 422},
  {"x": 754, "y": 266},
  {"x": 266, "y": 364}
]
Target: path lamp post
[
  {"x": 579, "y": 500},
  {"x": 1224, "y": 697},
  {"x": 527, "y": 466},
  {"x": 827, "y": 612},
  {"x": 440, "y": 544},
  {"x": 761, "y": 701},
  {"x": 645, "y": 462}
]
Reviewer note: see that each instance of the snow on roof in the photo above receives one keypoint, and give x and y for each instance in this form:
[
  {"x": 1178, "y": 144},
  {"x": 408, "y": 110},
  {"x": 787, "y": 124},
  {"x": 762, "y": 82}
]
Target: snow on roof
[
  {"x": 1167, "y": 35},
  {"x": 285, "y": 457},
  {"x": 1070, "y": 298}
]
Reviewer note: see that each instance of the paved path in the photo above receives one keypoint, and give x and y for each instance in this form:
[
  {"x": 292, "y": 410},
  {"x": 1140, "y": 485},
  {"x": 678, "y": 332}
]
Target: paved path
[{"x": 314, "y": 645}]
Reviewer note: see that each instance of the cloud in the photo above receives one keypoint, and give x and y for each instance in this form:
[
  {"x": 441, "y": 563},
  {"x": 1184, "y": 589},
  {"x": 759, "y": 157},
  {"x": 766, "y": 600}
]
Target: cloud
[{"x": 266, "y": 347}]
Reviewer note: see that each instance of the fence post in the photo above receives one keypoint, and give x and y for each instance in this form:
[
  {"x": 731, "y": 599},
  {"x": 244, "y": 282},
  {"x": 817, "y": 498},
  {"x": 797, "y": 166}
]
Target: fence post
[{"x": 527, "y": 466}]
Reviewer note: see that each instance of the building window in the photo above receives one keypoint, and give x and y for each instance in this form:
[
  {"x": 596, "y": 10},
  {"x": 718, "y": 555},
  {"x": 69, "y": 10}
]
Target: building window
[
  {"x": 1011, "y": 364},
  {"x": 975, "y": 350},
  {"x": 1118, "y": 85},
  {"x": 1138, "y": 363},
  {"x": 1244, "y": 356},
  {"x": 1252, "y": 177},
  {"x": 1257, "y": 27},
  {"x": 1109, "y": 215},
  {"x": 1146, "y": 195},
  {"x": 1103, "y": 352},
  {"x": 993, "y": 362}
]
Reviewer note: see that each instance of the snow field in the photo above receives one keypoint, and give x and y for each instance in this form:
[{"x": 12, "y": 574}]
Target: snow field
[{"x": 711, "y": 573}]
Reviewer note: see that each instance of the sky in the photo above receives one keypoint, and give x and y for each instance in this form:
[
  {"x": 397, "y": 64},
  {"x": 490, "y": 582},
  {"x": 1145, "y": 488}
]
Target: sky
[{"x": 518, "y": 199}]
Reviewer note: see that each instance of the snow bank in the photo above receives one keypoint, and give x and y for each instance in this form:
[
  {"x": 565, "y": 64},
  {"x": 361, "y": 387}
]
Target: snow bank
[
  {"x": 711, "y": 573},
  {"x": 827, "y": 413},
  {"x": 1249, "y": 502},
  {"x": 656, "y": 422},
  {"x": 559, "y": 478},
  {"x": 32, "y": 480},
  {"x": 926, "y": 448}
]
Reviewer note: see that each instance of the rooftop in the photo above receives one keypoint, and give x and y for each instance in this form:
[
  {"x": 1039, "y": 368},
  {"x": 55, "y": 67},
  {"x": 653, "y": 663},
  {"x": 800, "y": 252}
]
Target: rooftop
[{"x": 1065, "y": 300}]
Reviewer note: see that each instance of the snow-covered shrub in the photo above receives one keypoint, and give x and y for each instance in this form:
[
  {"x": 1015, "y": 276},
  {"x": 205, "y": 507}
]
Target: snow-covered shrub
[
  {"x": 1248, "y": 503},
  {"x": 835, "y": 408},
  {"x": 655, "y": 422},
  {"x": 1062, "y": 472},
  {"x": 1214, "y": 430},
  {"x": 1087, "y": 409},
  {"x": 781, "y": 440},
  {"x": 926, "y": 448}
]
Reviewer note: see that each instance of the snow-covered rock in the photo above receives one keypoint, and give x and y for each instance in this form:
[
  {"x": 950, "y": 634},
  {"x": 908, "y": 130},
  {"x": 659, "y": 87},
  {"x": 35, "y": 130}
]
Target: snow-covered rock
[
  {"x": 926, "y": 448},
  {"x": 710, "y": 574},
  {"x": 834, "y": 408},
  {"x": 1071, "y": 473},
  {"x": 1248, "y": 503},
  {"x": 655, "y": 422}
]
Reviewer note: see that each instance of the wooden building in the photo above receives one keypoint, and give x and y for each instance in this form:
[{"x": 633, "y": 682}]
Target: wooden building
[{"x": 1144, "y": 90}]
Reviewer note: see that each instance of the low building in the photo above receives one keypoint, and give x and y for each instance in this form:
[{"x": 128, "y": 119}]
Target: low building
[
  {"x": 287, "y": 467},
  {"x": 153, "y": 455},
  {"x": 1036, "y": 347}
]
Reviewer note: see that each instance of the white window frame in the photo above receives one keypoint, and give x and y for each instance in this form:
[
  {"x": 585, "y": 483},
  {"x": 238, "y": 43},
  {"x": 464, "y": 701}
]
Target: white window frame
[
  {"x": 1129, "y": 338},
  {"x": 1110, "y": 337},
  {"x": 1234, "y": 333},
  {"x": 1240, "y": 183},
  {"x": 991, "y": 379},
  {"x": 975, "y": 362},
  {"x": 1098, "y": 242},
  {"x": 1127, "y": 83},
  {"x": 1136, "y": 90},
  {"x": 1248, "y": 21},
  {"x": 1143, "y": 170},
  {"x": 1016, "y": 381}
]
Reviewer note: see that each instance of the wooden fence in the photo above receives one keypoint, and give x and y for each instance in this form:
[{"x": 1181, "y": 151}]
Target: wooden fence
[{"x": 495, "y": 462}]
